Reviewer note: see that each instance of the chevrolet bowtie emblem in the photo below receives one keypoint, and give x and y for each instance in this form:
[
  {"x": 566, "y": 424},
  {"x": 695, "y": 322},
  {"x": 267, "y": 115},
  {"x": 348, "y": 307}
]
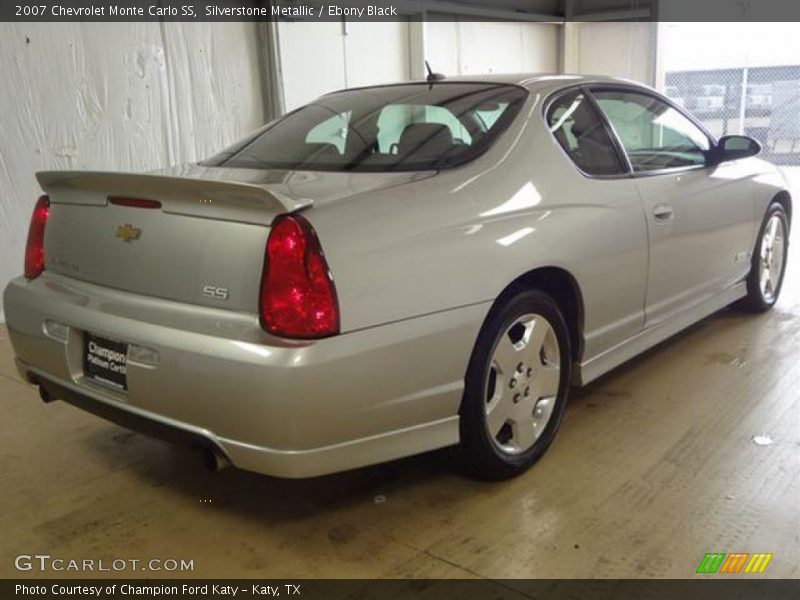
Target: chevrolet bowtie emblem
[{"x": 128, "y": 233}]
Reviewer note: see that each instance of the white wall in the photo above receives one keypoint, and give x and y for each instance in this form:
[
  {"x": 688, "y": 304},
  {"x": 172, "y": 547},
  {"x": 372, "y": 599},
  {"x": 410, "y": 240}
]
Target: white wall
[
  {"x": 115, "y": 96},
  {"x": 320, "y": 57},
  {"x": 464, "y": 47},
  {"x": 618, "y": 49}
]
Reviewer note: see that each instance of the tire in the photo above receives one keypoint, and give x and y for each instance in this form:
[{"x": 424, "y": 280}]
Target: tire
[
  {"x": 760, "y": 297},
  {"x": 515, "y": 393}
]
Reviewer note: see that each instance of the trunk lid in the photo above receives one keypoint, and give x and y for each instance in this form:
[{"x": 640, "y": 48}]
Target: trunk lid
[{"x": 203, "y": 245}]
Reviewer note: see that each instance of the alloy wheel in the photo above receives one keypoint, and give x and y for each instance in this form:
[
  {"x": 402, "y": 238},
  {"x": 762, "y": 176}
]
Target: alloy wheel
[
  {"x": 771, "y": 257},
  {"x": 522, "y": 384}
]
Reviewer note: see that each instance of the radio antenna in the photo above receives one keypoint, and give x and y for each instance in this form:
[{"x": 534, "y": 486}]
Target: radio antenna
[{"x": 432, "y": 77}]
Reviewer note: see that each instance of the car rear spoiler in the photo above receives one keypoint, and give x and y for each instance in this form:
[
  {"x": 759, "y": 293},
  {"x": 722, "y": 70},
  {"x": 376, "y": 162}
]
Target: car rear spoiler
[{"x": 183, "y": 195}]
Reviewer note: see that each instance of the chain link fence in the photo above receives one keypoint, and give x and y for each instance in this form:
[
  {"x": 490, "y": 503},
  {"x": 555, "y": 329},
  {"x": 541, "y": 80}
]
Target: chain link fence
[{"x": 762, "y": 102}]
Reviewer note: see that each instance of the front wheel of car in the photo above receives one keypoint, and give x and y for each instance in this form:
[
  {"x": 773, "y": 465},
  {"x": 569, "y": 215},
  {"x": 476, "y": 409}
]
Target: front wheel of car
[
  {"x": 516, "y": 386},
  {"x": 768, "y": 264}
]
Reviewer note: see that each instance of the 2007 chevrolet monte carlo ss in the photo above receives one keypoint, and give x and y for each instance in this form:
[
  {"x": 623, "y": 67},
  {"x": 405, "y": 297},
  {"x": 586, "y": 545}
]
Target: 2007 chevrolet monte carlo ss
[{"x": 395, "y": 269}]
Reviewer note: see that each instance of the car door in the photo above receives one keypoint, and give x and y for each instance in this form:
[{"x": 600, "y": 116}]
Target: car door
[
  {"x": 609, "y": 243},
  {"x": 698, "y": 214}
]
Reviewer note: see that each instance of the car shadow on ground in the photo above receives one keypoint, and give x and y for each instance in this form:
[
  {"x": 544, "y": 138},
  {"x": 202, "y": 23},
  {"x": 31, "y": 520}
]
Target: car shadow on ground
[
  {"x": 607, "y": 384},
  {"x": 181, "y": 471}
]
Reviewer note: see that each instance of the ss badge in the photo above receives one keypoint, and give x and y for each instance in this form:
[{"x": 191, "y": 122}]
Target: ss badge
[{"x": 218, "y": 293}]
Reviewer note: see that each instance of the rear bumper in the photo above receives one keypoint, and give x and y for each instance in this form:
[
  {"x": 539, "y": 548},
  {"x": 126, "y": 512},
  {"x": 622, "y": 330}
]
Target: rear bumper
[
  {"x": 268, "y": 405},
  {"x": 148, "y": 424}
]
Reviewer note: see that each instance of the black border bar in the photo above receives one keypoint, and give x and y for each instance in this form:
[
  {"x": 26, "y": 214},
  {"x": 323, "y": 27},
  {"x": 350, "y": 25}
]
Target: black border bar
[
  {"x": 393, "y": 10},
  {"x": 710, "y": 587}
]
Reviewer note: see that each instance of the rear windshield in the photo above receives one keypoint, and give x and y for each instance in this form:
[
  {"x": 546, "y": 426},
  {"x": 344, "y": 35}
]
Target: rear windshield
[{"x": 409, "y": 127}]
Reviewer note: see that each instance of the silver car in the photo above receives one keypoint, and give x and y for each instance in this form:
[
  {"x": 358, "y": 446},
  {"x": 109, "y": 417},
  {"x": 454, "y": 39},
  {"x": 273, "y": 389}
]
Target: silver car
[{"x": 395, "y": 269}]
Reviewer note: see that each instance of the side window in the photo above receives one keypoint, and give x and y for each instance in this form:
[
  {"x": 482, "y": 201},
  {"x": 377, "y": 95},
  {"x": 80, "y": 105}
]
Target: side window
[
  {"x": 490, "y": 112},
  {"x": 575, "y": 124},
  {"x": 391, "y": 122},
  {"x": 331, "y": 132},
  {"x": 395, "y": 120},
  {"x": 655, "y": 135},
  {"x": 442, "y": 116}
]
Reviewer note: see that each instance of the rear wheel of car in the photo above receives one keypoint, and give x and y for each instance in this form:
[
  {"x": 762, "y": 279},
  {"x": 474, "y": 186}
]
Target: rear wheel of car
[
  {"x": 516, "y": 386},
  {"x": 768, "y": 263}
]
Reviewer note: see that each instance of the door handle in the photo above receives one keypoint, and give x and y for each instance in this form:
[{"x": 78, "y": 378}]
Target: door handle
[{"x": 663, "y": 212}]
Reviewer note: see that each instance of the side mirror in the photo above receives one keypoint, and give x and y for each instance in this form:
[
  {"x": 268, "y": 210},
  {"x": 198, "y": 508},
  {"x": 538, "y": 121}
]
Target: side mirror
[{"x": 732, "y": 147}]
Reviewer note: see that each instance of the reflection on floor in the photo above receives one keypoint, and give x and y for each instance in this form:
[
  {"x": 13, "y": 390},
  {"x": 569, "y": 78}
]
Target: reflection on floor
[{"x": 691, "y": 448}]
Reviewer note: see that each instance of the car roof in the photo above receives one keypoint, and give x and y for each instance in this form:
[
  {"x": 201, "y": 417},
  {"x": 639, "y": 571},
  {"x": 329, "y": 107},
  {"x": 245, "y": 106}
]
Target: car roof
[
  {"x": 540, "y": 80},
  {"x": 543, "y": 83}
]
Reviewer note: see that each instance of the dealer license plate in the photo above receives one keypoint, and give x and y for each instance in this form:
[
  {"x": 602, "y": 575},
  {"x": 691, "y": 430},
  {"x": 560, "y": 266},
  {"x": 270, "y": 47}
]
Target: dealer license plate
[{"x": 104, "y": 361}]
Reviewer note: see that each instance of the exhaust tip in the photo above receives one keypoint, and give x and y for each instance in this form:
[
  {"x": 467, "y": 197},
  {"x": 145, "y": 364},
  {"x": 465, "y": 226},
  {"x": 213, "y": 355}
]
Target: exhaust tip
[
  {"x": 45, "y": 395},
  {"x": 213, "y": 460}
]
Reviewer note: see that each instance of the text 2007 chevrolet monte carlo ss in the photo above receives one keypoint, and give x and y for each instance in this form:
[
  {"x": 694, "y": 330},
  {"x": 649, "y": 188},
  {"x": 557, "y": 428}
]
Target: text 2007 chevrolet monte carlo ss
[{"x": 395, "y": 269}]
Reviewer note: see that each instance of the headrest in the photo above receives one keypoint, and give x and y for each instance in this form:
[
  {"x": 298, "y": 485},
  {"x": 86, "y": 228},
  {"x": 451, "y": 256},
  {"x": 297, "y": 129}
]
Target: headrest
[
  {"x": 583, "y": 121},
  {"x": 425, "y": 140}
]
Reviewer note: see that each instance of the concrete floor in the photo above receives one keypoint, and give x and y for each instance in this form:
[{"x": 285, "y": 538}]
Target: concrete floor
[{"x": 655, "y": 465}]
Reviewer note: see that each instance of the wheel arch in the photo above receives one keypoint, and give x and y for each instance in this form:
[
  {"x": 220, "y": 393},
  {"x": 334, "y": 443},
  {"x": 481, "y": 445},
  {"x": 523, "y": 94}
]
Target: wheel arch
[
  {"x": 784, "y": 198},
  {"x": 562, "y": 286}
]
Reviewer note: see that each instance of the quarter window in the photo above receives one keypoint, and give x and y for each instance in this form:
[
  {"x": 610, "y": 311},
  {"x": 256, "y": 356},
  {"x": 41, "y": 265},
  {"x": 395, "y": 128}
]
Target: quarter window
[
  {"x": 654, "y": 134},
  {"x": 576, "y": 126}
]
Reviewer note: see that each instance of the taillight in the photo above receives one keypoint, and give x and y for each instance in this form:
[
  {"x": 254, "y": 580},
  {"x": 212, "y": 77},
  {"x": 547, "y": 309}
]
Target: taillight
[
  {"x": 34, "y": 249},
  {"x": 298, "y": 298}
]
